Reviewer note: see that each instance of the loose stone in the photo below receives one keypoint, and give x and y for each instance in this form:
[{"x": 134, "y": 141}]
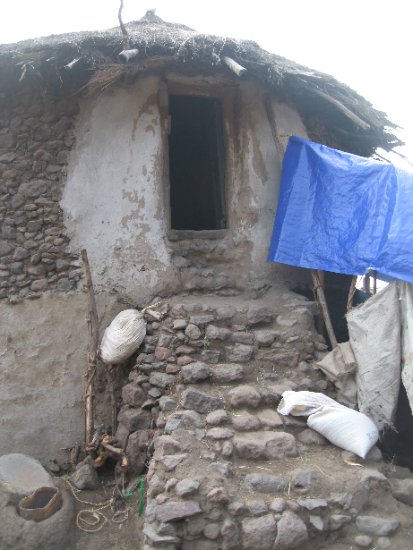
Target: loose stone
[
  {"x": 176, "y": 510},
  {"x": 291, "y": 531}
]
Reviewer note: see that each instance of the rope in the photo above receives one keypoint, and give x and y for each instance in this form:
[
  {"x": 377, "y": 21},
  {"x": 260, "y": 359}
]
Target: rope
[{"x": 92, "y": 520}]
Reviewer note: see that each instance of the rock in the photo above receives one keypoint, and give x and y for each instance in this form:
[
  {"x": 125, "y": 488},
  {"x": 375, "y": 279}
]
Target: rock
[
  {"x": 265, "y": 337},
  {"x": 200, "y": 401},
  {"x": 21, "y": 475},
  {"x": 201, "y": 319},
  {"x": 184, "y": 360},
  {"x": 161, "y": 380},
  {"x": 244, "y": 396},
  {"x": 193, "y": 332},
  {"x": 265, "y": 445},
  {"x": 363, "y": 541},
  {"x": 223, "y": 469},
  {"x": 219, "y": 433},
  {"x": 212, "y": 530},
  {"x": 162, "y": 353},
  {"x": 157, "y": 539},
  {"x": 217, "y": 417},
  {"x": 259, "y": 314},
  {"x": 259, "y": 533},
  {"x": 186, "y": 487},
  {"x": 171, "y": 461},
  {"x": 156, "y": 486},
  {"x": 133, "y": 395},
  {"x": 217, "y": 333},
  {"x": 317, "y": 522},
  {"x": 5, "y": 248},
  {"x": 167, "y": 403},
  {"x": 278, "y": 505},
  {"x": 243, "y": 337},
  {"x": 165, "y": 445},
  {"x": 301, "y": 478},
  {"x": 264, "y": 483},
  {"x": 210, "y": 356},
  {"x": 292, "y": 532},
  {"x": 180, "y": 324},
  {"x": 227, "y": 449},
  {"x": 311, "y": 504},
  {"x": 225, "y": 312},
  {"x": 372, "y": 525},
  {"x": 384, "y": 542},
  {"x": 137, "y": 449},
  {"x": 337, "y": 521},
  {"x": 245, "y": 421},
  {"x": 257, "y": 507},
  {"x": 195, "y": 372},
  {"x": 240, "y": 353},
  {"x": 177, "y": 510},
  {"x": 134, "y": 419},
  {"x": 369, "y": 476},
  {"x": 402, "y": 490},
  {"x": 219, "y": 495},
  {"x": 85, "y": 477},
  {"x": 237, "y": 508},
  {"x": 270, "y": 419},
  {"x": 227, "y": 372},
  {"x": 310, "y": 437},
  {"x": 183, "y": 419}
]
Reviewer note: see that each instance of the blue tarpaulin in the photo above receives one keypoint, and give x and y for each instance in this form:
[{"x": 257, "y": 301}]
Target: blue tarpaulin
[{"x": 343, "y": 213}]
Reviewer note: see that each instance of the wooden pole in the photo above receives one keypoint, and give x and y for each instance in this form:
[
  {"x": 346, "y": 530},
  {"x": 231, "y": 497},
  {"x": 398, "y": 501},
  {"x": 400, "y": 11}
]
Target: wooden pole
[
  {"x": 92, "y": 355},
  {"x": 235, "y": 67},
  {"x": 319, "y": 291},
  {"x": 351, "y": 292}
]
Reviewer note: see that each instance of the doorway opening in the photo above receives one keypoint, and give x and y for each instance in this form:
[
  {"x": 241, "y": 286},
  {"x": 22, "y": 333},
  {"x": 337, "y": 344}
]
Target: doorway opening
[{"x": 196, "y": 164}]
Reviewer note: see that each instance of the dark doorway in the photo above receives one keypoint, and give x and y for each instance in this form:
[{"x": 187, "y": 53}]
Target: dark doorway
[{"x": 196, "y": 164}]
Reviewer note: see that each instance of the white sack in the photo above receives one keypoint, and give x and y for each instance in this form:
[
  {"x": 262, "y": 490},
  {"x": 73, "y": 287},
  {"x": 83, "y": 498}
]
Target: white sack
[
  {"x": 406, "y": 306},
  {"x": 304, "y": 403},
  {"x": 340, "y": 366},
  {"x": 374, "y": 329},
  {"x": 348, "y": 429},
  {"x": 123, "y": 336}
]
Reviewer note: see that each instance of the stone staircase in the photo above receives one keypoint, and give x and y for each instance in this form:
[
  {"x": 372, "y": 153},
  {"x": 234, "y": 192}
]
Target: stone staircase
[{"x": 225, "y": 469}]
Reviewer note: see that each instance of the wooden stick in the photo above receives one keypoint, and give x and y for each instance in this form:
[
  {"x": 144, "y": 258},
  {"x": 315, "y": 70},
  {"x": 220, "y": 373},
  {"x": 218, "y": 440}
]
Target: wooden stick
[
  {"x": 351, "y": 292},
  {"x": 235, "y": 67},
  {"x": 92, "y": 355},
  {"x": 319, "y": 290}
]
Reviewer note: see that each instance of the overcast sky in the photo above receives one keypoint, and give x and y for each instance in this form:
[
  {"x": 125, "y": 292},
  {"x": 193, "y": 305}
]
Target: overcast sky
[{"x": 364, "y": 43}]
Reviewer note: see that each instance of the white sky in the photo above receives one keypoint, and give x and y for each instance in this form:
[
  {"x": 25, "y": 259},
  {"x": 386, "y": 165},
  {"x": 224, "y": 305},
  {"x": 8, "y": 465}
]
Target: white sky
[{"x": 366, "y": 44}]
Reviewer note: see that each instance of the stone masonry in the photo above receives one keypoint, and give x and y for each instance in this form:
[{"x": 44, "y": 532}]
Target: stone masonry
[
  {"x": 224, "y": 470},
  {"x": 36, "y": 135}
]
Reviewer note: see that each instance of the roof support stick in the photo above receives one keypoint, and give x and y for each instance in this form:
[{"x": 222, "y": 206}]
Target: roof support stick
[
  {"x": 316, "y": 275},
  {"x": 235, "y": 67},
  {"x": 123, "y": 28}
]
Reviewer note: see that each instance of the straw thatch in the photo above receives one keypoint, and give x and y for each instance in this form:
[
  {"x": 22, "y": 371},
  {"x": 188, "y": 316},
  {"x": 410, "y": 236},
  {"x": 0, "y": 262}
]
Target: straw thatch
[{"x": 333, "y": 113}]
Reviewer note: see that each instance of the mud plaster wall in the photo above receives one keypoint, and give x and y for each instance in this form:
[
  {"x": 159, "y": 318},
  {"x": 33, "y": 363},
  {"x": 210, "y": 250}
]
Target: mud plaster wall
[
  {"x": 116, "y": 201},
  {"x": 43, "y": 346}
]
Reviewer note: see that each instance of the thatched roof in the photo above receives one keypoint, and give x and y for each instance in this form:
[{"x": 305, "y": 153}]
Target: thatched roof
[{"x": 333, "y": 112}]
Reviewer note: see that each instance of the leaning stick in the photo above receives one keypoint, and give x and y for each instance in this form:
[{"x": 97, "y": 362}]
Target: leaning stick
[
  {"x": 351, "y": 292},
  {"x": 319, "y": 290},
  {"x": 92, "y": 354}
]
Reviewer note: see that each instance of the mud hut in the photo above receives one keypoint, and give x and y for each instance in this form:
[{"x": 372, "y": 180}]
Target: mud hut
[{"x": 159, "y": 152}]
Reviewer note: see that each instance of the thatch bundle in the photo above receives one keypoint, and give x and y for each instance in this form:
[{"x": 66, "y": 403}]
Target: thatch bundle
[{"x": 333, "y": 112}]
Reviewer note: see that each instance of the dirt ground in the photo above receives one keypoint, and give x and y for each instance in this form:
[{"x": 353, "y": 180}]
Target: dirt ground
[{"x": 126, "y": 535}]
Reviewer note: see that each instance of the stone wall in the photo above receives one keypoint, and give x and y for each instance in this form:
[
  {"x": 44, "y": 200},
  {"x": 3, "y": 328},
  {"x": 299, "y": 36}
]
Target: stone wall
[{"x": 36, "y": 136}]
